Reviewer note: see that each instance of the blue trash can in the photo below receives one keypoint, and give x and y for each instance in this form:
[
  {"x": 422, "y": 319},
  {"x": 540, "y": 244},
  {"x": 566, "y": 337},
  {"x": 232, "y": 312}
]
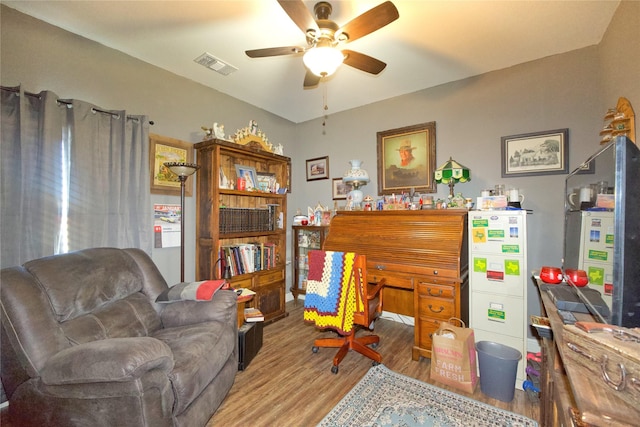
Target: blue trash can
[{"x": 498, "y": 369}]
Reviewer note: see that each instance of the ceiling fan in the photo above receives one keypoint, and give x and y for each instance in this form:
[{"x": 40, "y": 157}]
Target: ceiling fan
[{"x": 323, "y": 55}]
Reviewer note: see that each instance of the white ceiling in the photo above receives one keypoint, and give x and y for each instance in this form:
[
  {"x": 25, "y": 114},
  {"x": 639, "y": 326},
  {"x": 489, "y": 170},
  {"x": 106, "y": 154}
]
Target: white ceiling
[{"x": 433, "y": 42}]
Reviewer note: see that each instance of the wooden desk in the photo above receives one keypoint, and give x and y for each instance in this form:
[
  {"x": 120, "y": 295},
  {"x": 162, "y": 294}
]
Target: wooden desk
[
  {"x": 565, "y": 387},
  {"x": 422, "y": 255}
]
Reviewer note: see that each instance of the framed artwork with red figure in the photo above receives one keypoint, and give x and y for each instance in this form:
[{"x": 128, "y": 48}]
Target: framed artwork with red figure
[{"x": 407, "y": 159}]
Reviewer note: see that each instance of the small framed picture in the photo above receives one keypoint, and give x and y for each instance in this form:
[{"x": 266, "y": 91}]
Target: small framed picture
[
  {"x": 340, "y": 189},
  {"x": 249, "y": 175},
  {"x": 266, "y": 182},
  {"x": 318, "y": 168}
]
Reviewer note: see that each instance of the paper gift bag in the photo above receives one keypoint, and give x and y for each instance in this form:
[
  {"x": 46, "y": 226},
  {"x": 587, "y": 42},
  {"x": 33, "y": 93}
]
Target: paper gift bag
[{"x": 453, "y": 356}]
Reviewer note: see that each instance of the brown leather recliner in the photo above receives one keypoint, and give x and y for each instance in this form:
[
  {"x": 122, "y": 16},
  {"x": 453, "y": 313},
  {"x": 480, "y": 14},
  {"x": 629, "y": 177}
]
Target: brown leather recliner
[{"x": 85, "y": 344}]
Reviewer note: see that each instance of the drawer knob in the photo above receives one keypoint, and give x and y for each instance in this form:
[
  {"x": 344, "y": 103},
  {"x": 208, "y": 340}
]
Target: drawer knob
[
  {"x": 380, "y": 267},
  {"x": 435, "y": 272},
  {"x": 439, "y": 311},
  {"x": 433, "y": 294}
]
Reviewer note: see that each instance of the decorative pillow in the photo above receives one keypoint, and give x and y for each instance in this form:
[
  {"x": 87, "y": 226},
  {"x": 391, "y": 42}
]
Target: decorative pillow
[{"x": 193, "y": 291}]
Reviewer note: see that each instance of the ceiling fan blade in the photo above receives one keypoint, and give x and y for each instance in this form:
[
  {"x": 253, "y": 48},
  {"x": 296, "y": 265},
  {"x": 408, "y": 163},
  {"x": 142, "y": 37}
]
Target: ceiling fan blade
[
  {"x": 363, "y": 62},
  {"x": 311, "y": 80},
  {"x": 274, "y": 51},
  {"x": 370, "y": 21},
  {"x": 299, "y": 14}
]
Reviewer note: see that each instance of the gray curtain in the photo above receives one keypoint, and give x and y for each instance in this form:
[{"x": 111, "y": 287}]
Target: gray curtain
[{"x": 73, "y": 176}]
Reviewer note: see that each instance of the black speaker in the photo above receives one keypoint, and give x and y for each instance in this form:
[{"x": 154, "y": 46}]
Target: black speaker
[{"x": 249, "y": 343}]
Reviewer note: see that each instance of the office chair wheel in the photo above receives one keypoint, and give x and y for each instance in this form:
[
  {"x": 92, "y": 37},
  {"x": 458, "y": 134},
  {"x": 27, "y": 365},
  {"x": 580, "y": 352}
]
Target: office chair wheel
[
  {"x": 374, "y": 345},
  {"x": 375, "y": 363},
  {"x": 334, "y": 369},
  {"x": 314, "y": 349}
]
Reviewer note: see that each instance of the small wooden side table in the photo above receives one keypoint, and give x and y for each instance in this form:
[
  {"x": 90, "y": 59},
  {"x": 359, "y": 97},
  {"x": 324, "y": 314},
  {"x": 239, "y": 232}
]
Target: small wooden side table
[{"x": 242, "y": 303}]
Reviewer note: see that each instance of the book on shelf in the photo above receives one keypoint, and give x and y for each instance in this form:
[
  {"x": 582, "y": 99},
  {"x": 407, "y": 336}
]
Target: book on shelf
[
  {"x": 245, "y": 294},
  {"x": 246, "y": 253},
  {"x": 243, "y": 258},
  {"x": 252, "y": 314}
]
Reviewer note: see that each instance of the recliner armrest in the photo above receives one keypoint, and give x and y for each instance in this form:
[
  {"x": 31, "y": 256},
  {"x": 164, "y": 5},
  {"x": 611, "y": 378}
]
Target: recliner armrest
[
  {"x": 221, "y": 308},
  {"x": 109, "y": 360}
]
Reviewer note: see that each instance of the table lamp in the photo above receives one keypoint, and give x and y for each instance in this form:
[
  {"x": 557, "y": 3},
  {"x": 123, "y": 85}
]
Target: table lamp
[
  {"x": 451, "y": 173},
  {"x": 356, "y": 177}
]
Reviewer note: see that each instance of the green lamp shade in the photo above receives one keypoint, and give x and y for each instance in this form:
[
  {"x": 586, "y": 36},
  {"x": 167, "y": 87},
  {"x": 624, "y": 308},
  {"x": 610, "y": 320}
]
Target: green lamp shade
[{"x": 452, "y": 171}]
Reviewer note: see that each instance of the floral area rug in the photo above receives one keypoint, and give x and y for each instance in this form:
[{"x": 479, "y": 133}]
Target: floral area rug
[{"x": 385, "y": 398}]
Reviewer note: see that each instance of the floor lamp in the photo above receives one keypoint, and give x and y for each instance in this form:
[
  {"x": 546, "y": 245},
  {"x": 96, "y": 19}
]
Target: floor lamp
[{"x": 184, "y": 171}]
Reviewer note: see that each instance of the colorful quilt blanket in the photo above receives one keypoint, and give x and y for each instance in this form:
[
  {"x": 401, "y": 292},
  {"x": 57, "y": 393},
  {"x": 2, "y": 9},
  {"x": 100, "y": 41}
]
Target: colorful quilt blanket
[{"x": 330, "y": 301}]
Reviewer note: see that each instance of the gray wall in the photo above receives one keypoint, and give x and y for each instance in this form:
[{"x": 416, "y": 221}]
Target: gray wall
[
  {"x": 471, "y": 116},
  {"x": 571, "y": 90},
  {"x": 619, "y": 56},
  {"x": 43, "y": 57}
]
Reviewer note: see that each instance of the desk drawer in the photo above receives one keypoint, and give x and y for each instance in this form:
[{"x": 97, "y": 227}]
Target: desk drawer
[
  {"x": 442, "y": 308},
  {"x": 435, "y": 290},
  {"x": 394, "y": 280},
  {"x": 413, "y": 270},
  {"x": 427, "y": 327},
  {"x": 241, "y": 283},
  {"x": 270, "y": 276}
]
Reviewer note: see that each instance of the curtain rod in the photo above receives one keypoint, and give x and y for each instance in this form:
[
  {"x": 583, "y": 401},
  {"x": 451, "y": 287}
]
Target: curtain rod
[{"x": 68, "y": 103}]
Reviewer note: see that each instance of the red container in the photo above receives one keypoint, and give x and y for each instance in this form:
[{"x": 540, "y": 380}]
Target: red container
[
  {"x": 241, "y": 184},
  {"x": 577, "y": 277},
  {"x": 552, "y": 275}
]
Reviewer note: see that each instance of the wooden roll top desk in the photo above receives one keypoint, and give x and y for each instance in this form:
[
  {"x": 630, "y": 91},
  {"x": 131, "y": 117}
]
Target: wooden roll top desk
[{"x": 423, "y": 257}]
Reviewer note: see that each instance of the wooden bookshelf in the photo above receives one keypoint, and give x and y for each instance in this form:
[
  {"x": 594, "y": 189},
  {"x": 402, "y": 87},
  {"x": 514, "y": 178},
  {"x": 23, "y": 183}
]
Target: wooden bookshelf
[{"x": 215, "y": 192}]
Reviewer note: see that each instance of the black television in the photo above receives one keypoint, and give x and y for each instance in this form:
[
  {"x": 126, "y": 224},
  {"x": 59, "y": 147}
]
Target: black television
[{"x": 602, "y": 227}]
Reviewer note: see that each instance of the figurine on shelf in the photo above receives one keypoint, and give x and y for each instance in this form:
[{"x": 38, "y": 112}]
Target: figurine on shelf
[
  {"x": 253, "y": 127},
  {"x": 458, "y": 201},
  {"x": 224, "y": 181},
  {"x": 208, "y": 132},
  {"x": 279, "y": 149},
  {"x": 349, "y": 205},
  {"x": 317, "y": 214},
  {"x": 218, "y": 131}
]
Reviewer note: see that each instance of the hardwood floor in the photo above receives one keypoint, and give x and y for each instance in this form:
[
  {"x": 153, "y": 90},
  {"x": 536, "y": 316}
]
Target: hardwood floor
[{"x": 286, "y": 384}]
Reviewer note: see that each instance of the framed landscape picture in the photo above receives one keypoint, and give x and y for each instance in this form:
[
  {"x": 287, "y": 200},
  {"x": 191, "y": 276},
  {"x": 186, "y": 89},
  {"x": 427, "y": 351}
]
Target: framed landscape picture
[
  {"x": 538, "y": 153},
  {"x": 340, "y": 189},
  {"x": 318, "y": 168},
  {"x": 162, "y": 150}
]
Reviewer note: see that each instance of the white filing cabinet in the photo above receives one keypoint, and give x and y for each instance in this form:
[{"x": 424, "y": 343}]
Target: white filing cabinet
[{"x": 499, "y": 278}]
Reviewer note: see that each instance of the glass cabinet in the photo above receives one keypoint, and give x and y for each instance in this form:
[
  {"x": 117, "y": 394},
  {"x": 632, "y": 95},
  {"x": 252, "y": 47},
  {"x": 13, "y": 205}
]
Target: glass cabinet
[{"x": 305, "y": 239}]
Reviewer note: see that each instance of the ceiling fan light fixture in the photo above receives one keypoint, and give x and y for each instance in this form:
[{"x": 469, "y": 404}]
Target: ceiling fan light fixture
[{"x": 323, "y": 60}]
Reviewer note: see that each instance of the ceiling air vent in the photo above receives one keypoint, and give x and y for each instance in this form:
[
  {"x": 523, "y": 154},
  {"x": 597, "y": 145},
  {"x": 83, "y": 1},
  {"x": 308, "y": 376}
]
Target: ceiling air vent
[{"x": 215, "y": 64}]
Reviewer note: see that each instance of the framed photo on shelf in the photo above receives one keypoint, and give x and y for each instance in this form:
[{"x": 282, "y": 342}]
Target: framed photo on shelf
[
  {"x": 266, "y": 182},
  {"x": 407, "y": 159},
  {"x": 318, "y": 168},
  {"x": 163, "y": 149},
  {"x": 249, "y": 174},
  {"x": 340, "y": 189},
  {"x": 537, "y": 153}
]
